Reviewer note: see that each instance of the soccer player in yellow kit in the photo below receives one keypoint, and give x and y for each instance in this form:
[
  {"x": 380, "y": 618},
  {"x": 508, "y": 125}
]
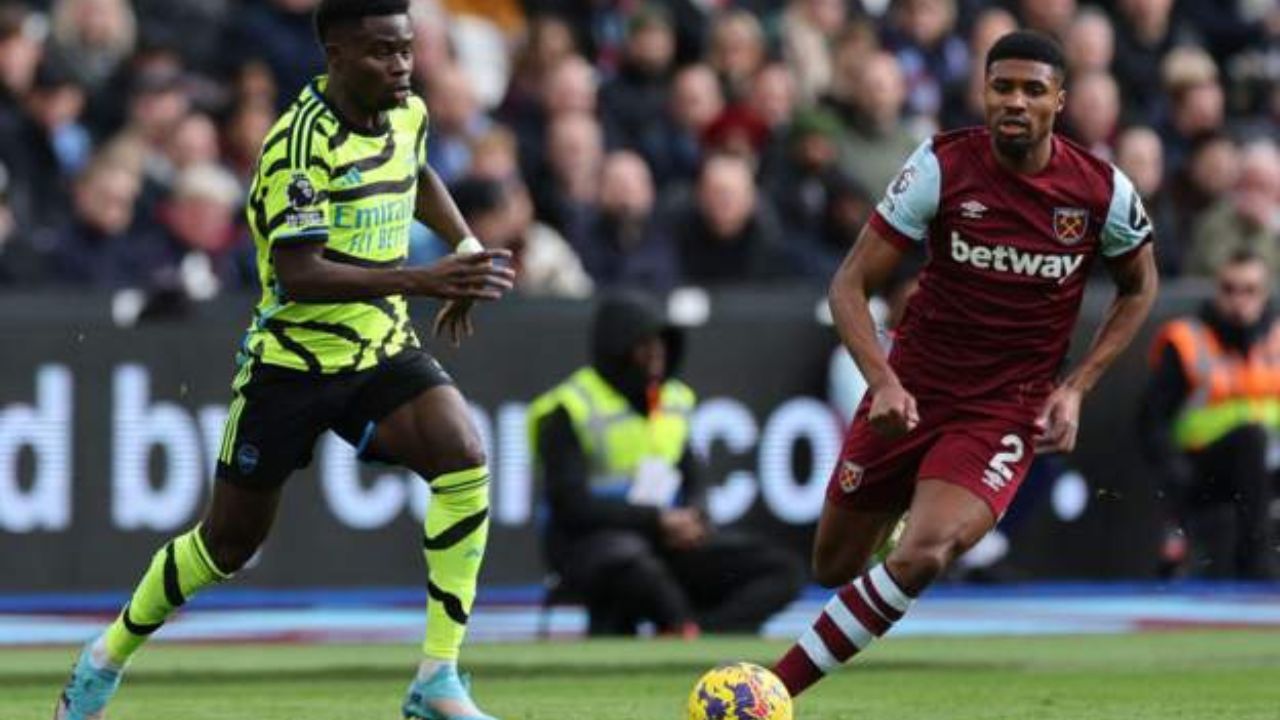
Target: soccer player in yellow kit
[{"x": 340, "y": 178}]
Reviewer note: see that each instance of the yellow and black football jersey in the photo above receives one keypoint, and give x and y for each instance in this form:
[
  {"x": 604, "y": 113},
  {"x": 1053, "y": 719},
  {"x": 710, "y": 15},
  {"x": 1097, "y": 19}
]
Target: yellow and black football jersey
[{"x": 320, "y": 180}]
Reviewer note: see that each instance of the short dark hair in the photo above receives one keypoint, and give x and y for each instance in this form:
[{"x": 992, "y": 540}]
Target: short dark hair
[
  {"x": 1028, "y": 45},
  {"x": 1244, "y": 256},
  {"x": 330, "y": 13}
]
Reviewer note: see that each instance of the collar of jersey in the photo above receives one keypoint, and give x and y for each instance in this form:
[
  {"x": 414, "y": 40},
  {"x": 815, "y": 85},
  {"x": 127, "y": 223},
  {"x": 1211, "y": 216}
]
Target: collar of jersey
[{"x": 316, "y": 88}]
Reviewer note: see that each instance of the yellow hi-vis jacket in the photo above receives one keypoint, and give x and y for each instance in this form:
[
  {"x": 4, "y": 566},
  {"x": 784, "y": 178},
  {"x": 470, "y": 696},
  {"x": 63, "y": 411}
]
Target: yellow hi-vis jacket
[{"x": 615, "y": 438}]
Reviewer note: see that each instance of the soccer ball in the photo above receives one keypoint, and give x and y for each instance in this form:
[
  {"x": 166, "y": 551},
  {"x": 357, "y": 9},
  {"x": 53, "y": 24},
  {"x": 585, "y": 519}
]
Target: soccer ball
[{"x": 739, "y": 691}]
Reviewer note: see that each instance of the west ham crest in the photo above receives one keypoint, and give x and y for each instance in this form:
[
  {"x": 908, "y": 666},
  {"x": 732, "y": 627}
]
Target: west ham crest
[
  {"x": 850, "y": 476},
  {"x": 1070, "y": 224}
]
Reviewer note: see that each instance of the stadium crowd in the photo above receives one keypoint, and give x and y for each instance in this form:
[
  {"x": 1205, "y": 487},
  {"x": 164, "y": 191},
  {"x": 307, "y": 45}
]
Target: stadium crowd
[{"x": 614, "y": 142}]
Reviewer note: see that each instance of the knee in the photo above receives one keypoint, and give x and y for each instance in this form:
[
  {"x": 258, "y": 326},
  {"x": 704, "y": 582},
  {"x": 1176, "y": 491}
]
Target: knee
[
  {"x": 466, "y": 452},
  {"x": 230, "y": 551},
  {"x": 829, "y": 571},
  {"x": 916, "y": 564}
]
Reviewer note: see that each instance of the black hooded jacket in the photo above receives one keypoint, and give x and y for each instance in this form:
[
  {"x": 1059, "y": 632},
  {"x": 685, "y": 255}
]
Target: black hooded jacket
[{"x": 620, "y": 324}]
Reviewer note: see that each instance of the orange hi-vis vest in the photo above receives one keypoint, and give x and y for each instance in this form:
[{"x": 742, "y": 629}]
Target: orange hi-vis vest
[{"x": 1224, "y": 389}]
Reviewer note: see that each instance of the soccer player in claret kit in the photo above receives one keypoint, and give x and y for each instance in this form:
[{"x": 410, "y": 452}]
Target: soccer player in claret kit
[
  {"x": 1012, "y": 216},
  {"x": 340, "y": 177}
]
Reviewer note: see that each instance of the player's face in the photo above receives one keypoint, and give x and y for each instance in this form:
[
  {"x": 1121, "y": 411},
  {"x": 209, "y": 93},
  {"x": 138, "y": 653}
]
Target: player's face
[
  {"x": 1022, "y": 98},
  {"x": 1242, "y": 292},
  {"x": 375, "y": 59}
]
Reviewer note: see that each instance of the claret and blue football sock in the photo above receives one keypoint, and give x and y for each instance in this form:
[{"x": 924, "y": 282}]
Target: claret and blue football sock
[{"x": 855, "y": 616}]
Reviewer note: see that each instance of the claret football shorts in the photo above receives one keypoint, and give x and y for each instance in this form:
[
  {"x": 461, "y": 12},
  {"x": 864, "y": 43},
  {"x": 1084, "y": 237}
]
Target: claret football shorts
[{"x": 985, "y": 454}]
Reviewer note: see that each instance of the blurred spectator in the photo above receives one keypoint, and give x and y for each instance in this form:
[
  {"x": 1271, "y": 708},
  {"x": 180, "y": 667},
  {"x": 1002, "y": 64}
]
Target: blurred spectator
[
  {"x": 96, "y": 248},
  {"x": 20, "y": 54},
  {"x": 93, "y": 37},
  {"x": 739, "y": 131},
  {"x": 1090, "y": 45},
  {"x": 737, "y": 52},
  {"x": 727, "y": 232},
  {"x": 1211, "y": 404},
  {"x": 1141, "y": 157},
  {"x": 627, "y": 245},
  {"x": 1197, "y": 104},
  {"x": 253, "y": 84},
  {"x": 1143, "y": 35},
  {"x": 1093, "y": 112},
  {"x": 964, "y": 107},
  {"x": 568, "y": 89},
  {"x": 566, "y": 196},
  {"x": 637, "y": 95},
  {"x": 808, "y": 30},
  {"x": 194, "y": 142},
  {"x": 1229, "y": 27},
  {"x": 200, "y": 222},
  {"x": 1048, "y": 16},
  {"x": 158, "y": 104},
  {"x": 1247, "y": 219},
  {"x": 282, "y": 33},
  {"x": 933, "y": 59},
  {"x": 548, "y": 43},
  {"x": 672, "y": 147},
  {"x": 773, "y": 100},
  {"x": 502, "y": 214},
  {"x": 806, "y": 190},
  {"x": 493, "y": 155},
  {"x": 243, "y": 133},
  {"x": 1209, "y": 172},
  {"x": 456, "y": 118},
  {"x": 875, "y": 140},
  {"x": 432, "y": 46},
  {"x": 196, "y": 28},
  {"x": 627, "y": 526},
  {"x": 53, "y": 146}
]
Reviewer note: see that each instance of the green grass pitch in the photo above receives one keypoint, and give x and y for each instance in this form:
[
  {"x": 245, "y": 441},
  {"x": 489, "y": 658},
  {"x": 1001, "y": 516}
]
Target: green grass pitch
[{"x": 1161, "y": 676}]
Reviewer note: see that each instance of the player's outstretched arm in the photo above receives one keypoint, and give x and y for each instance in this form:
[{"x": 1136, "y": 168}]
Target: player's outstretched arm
[
  {"x": 865, "y": 269},
  {"x": 1136, "y": 282},
  {"x": 306, "y": 276}
]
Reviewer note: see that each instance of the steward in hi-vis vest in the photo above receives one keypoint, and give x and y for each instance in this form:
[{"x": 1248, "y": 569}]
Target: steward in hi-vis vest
[
  {"x": 623, "y": 507},
  {"x": 1211, "y": 409}
]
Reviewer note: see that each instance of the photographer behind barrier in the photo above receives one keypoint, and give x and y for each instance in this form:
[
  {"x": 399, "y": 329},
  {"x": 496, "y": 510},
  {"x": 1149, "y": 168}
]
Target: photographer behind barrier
[{"x": 626, "y": 527}]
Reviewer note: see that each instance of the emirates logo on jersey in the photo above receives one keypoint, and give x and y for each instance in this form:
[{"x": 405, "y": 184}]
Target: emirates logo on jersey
[{"x": 1070, "y": 224}]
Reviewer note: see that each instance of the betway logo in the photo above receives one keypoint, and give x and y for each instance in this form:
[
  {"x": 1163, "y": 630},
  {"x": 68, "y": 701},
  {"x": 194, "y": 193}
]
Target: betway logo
[{"x": 1004, "y": 258}]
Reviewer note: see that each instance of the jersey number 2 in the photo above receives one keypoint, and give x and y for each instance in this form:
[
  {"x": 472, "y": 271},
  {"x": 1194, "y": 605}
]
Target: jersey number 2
[{"x": 998, "y": 472}]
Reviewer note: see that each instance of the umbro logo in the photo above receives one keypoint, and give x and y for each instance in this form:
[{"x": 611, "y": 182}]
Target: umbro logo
[{"x": 972, "y": 209}]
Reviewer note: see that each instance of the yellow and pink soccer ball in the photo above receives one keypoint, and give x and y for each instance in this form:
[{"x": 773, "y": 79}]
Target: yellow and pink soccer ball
[{"x": 739, "y": 691}]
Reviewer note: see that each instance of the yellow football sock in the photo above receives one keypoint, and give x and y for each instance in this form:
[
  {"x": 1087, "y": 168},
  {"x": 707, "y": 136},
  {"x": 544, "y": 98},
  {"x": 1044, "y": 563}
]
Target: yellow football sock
[
  {"x": 455, "y": 532},
  {"x": 178, "y": 571}
]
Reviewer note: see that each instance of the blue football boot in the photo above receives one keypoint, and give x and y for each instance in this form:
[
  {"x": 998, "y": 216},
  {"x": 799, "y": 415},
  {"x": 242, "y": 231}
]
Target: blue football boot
[
  {"x": 444, "y": 685},
  {"x": 87, "y": 692}
]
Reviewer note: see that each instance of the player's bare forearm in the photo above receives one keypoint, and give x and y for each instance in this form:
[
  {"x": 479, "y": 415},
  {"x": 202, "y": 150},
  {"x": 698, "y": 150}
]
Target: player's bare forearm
[
  {"x": 436, "y": 209},
  {"x": 305, "y": 275},
  {"x": 1136, "y": 281},
  {"x": 865, "y": 269}
]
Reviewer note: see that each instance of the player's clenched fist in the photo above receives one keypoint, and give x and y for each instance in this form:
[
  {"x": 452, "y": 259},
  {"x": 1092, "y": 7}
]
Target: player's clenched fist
[
  {"x": 893, "y": 410},
  {"x": 1058, "y": 423},
  {"x": 467, "y": 277}
]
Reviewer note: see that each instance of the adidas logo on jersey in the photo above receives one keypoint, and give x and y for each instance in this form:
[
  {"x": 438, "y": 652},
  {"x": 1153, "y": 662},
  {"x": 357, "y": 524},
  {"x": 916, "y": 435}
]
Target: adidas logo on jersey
[
  {"x": 1005, "y": 258},
  {"x": 351, "y": 178}
]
